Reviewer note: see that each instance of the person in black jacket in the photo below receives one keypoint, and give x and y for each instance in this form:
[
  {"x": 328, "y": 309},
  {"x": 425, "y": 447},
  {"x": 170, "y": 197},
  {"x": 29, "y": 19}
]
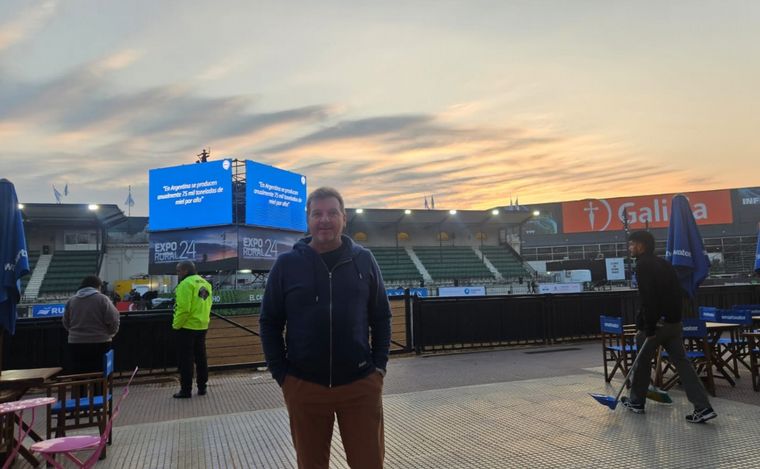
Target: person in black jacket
[
  {"x": 329, "y": 293},
  {"x": 659, "y": 320}
]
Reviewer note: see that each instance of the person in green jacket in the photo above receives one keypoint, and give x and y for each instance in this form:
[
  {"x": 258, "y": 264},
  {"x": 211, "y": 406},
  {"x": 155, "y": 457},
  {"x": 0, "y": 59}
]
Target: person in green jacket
[{"x": 192, "y": 311}]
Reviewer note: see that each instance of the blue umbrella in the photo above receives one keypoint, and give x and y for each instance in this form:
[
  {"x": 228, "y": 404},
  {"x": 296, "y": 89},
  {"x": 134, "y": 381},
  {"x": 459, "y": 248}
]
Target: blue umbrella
[
  {"x": 757, "y": 254},
  {"x": 685, "y": 249},
  {"x": 13, "y": 255}
]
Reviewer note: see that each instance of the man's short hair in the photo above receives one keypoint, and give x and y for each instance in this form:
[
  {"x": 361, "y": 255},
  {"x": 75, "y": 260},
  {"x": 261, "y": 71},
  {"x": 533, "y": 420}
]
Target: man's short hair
[
  {"x": 645, "y": 238},
  {"x": 324, "y": 193},
  {"x": 187, "y": 266},
  {"x": 92, "y": 281}
]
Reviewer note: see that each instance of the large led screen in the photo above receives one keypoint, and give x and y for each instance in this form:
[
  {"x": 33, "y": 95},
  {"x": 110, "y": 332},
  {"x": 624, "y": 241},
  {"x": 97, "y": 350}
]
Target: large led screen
[
  {"x": 191, "y": 195},
  {"x": 275, "y": 198}
]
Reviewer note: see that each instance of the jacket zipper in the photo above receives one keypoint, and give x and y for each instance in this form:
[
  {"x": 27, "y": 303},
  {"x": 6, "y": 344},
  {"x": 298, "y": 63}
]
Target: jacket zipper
[{"x": 329, "y": 276}]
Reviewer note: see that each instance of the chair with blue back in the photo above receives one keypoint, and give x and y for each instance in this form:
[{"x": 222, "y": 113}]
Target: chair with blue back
[
  {"x": 732, "y": 350},
  {"x": 698, "y": 351},
  {"x": 83, "y": 400},
  {"x": 618, "y": 346}
]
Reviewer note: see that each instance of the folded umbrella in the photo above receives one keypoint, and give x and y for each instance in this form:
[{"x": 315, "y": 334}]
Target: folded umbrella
[
  {"x": 685, "y": 249},
  {"x": 13, "y": 255}
]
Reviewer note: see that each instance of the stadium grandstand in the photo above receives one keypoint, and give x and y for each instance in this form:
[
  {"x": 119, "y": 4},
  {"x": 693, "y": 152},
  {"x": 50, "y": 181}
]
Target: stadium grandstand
[{"x": 501, "y": 248}]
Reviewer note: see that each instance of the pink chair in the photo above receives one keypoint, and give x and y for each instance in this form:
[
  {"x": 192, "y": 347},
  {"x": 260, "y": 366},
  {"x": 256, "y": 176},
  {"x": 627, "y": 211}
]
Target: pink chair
[{"x": 67, "y": 445}]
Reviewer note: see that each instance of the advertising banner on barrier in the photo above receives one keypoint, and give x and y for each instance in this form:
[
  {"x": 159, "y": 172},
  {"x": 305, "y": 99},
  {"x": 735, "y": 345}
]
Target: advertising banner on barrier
[
  {"x": 190, "y": 195},
  {"x": 555, "y": 288},
  {"x": 599, "y": 215},
  {"x": 421, "y": 292},
  {"x": 211, "y": 249},
  {"x": 274, "y": 198},
  {"x": 462, "y": 291},
  {"x": 258, "y": 248},
  {"x": 48, "y": 310}
]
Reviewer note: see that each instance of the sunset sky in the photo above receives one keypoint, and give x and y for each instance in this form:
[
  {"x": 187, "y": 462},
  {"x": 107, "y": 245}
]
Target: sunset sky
[{"x": 472, "y": 101}]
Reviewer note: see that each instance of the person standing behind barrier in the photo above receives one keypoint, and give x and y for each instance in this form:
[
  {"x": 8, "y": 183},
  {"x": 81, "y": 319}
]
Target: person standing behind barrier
[
  {"x": 192, "y": 313},
  {"x": 329, "y": 293},
  {"x": 92, "y": 321},
  {"x": 659, "y": 320}
]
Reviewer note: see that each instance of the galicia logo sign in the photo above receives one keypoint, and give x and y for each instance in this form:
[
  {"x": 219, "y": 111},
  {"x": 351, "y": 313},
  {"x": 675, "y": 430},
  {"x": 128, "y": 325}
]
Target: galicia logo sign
[{"x": 596, "y": 215}]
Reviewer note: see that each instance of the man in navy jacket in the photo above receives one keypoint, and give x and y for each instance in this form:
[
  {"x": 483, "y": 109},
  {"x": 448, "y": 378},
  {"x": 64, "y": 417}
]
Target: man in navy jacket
[{"x": 328, "y": 295}]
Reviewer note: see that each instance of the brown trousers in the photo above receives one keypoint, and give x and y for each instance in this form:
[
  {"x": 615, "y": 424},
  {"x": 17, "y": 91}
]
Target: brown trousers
[{"x": 359, "y": 407}]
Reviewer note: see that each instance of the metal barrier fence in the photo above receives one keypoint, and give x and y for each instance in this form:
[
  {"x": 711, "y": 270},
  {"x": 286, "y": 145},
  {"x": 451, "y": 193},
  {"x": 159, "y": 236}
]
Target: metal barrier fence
[
  {"x": 146, "y": 339},
  {"x": 429, "y": 324},
  {"x": 441, "y": 324}
]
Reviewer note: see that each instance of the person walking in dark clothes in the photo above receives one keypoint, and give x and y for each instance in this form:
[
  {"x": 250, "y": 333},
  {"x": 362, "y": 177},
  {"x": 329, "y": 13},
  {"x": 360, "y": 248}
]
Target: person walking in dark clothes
[{"x": 659, "y": 321}]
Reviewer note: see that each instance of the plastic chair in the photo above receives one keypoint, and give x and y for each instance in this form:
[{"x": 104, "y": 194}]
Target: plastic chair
[
  {"x": 68, "y": 445},
  {"x": 617, "y": 346}
]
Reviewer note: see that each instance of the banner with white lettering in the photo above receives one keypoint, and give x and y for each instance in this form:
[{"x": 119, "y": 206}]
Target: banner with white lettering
[{"x": 48, "y": 310}]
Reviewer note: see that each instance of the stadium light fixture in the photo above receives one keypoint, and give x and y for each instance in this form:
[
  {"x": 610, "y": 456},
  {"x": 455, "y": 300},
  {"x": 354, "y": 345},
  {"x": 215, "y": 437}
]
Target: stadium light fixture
[
  {"x": 494, "y": 212},
  {"x": 407, "y": 212},
  {"x": 536, "y": 213},
  {"x": 359, "y": 210},
  {"x": 93, "y": 207},
  {"x": 21, "y": 206},
  {"x": 453, "y": 212}
]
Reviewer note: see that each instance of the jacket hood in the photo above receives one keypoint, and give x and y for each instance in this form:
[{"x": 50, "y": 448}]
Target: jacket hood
[{"x": 85, "y": 292}]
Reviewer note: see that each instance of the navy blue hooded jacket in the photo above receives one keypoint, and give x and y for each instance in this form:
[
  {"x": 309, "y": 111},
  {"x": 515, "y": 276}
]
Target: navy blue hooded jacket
[{"x": 329, "y": 316}]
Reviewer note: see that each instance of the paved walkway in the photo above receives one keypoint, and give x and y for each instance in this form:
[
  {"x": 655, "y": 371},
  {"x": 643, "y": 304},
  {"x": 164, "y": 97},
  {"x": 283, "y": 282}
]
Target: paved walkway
[{"x": 499, "y": 409}]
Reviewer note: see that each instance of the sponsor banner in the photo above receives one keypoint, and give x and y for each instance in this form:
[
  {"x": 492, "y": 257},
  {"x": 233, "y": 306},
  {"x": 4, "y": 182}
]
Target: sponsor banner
[
  {"x": 600, "y": 215},
  {"x": 462, "y": 291},
  {"x": 48, "y": 310},
  {"x": 554, "y": 288},
  {"x": 615, "y": 268},
  {"x": 258, "y": 248},
  {"x": 421, "y": 292},
  {"x": 211, "y": 249},
  {"x": 746, "y": 205}
]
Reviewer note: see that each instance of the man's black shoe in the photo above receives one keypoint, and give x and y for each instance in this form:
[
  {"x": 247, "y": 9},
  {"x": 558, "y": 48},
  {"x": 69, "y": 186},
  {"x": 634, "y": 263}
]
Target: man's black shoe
[
  {"x": 635, "y": 408},
  {"x": 202, "y": 391},
  {"x": 182, "y": 395},
  {"x": 701, "y": 416}
]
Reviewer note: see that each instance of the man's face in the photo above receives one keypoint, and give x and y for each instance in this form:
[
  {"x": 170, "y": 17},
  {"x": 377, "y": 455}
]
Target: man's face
[
  {"x": 181, "y": 273},
  {"x": 326, "y": 221},
  {"x": 635, "y": 248}
]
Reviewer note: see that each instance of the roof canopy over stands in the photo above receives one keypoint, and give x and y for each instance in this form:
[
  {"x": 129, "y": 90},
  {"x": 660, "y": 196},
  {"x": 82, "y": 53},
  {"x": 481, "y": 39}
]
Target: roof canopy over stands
[
  {"x": 437, "y": 217},
  {"x": 71, "y": 214}
]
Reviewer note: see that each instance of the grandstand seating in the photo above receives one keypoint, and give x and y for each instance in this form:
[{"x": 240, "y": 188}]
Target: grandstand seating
[
  {"x": 395, "y": 264},
  {"x": 452, "y": 262},
  {"x": 67, "y": 268},
  {"x": 505, "y": 260},
  {"x": 33, "y": 256}
]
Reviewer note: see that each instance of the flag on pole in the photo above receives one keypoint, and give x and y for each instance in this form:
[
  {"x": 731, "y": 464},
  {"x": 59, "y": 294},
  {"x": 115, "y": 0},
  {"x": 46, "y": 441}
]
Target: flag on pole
[
  {"x": 130, "y": 202},
  {"x": 432, "y": 202},
  {"x": 427, "y": 207},
  {"x": 57, "y": 195}
]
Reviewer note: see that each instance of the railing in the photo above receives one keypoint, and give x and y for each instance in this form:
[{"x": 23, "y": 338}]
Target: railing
[
  {"x": 146, "y": 339},
  {"x": 441, "y": 324}
]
